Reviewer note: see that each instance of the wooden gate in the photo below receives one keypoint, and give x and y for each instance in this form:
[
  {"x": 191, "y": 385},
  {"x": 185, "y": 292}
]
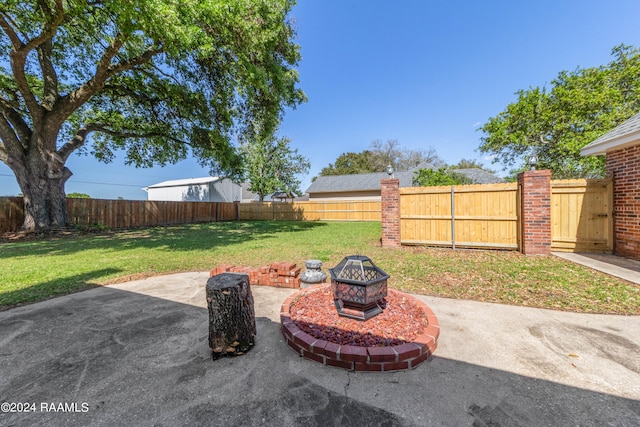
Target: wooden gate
[
  {"x": 582, "y": 215},
  {"x": 473, "y": 216}
]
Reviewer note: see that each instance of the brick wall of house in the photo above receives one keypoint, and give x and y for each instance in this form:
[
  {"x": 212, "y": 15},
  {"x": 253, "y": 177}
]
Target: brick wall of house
[
  {"x": 535, "y": 190},
  {"x": 624, "y": 167},
  {"x": 390, "y": 197}
]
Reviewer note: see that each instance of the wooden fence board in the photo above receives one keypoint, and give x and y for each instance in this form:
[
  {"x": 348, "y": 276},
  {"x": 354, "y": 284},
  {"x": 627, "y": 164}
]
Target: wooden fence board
[
  {"x": 312, "y": 211},
  {"x": 118, "y": 214},
  {"x": 483, "y": 216},
  {"x": 11, "y": 213}
]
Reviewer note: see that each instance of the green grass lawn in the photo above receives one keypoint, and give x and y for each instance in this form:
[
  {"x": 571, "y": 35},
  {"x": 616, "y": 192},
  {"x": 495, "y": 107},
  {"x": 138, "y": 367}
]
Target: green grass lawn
[{"x": 33, "y": 270}]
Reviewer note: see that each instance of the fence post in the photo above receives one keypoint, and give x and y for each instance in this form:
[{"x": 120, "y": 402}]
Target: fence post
[
  {"x": 453, "y": 217},
  {"x": 535, "y": 219},
  {"x": 390, "y": 197}
]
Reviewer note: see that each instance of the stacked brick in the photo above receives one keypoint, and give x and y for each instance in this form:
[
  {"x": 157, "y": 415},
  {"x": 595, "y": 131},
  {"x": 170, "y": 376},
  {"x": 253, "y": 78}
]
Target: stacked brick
[
  {"x": 536, "y": 212},
  {"x": 390, "y": 196},
  {"x": 276, "y": 274}
]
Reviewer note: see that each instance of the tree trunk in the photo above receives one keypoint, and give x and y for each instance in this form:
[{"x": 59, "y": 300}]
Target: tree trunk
[
  {"x": 46, "y": 207},
  {"x": 41, "y": 179},
  {"x": 232, "y": 320}
]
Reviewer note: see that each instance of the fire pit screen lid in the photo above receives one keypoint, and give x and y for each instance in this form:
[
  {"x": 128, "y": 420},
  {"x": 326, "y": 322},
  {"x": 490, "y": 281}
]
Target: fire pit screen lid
[{"x": 357, "y": 269}]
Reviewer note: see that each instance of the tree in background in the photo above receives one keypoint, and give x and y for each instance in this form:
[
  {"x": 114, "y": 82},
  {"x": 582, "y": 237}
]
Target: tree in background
[
  {"x": 350, "y": 163},
  {"x": 379, "y": 156},
  {"x": 271, "y": 165},
  {"x": 470, "y": 164},
  {"x": 555, "y": 123},
  {"x": 78, "y": 196},
  {"x": 159, "y": 80},
  {"x": 402, "y": 159},
  {"x": 440, "y": 176}
]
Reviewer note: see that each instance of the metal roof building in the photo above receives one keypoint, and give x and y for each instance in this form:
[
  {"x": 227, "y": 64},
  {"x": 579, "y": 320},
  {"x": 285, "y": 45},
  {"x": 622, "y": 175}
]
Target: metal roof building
[{"x": 207, "y": 189}]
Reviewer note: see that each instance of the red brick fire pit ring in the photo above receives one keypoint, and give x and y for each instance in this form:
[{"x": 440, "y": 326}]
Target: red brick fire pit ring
[{"x": 378, "y": 358}]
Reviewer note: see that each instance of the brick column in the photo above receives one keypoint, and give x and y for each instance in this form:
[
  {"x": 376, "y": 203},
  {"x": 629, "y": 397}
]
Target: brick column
[
  {"x": 390, "y": 196},
  {"x": 535, "y": 218}
]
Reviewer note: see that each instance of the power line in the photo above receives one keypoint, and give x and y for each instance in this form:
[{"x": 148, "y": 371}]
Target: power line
[
  {"x": 106, "y": 183},
  {"x": 92, "y": 182}
]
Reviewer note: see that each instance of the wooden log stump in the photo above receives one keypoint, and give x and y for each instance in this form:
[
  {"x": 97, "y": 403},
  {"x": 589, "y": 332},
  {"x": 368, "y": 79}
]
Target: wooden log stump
[{"x": 232, "y": 319}]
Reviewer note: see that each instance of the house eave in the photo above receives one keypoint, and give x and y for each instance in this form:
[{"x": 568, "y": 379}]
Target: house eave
[{"x": 598, "y": 148}]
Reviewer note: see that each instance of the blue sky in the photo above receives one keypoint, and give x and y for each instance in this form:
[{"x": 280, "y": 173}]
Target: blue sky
[{"x": 425, "y": 73}]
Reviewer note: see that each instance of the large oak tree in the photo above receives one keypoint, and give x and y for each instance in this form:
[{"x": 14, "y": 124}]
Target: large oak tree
[{"x": 159, "y": 79}]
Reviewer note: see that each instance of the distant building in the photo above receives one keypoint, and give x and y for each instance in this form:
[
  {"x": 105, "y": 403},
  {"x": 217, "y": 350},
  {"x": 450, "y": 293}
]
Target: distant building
[
  {"x": 250, "y": 197},
  {"x": 247, "y": 195},
  {"x": 366, "y": 186},
  {"x": 208, "y": 189}
]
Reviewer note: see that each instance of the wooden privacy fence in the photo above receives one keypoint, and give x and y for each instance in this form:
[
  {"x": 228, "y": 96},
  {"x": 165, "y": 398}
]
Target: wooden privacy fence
[
  {"x": 480, "y": 216},
  {"x": 346, "y": 210},
  {"x": 475, "y": 216},
  {"x": 125, "y": 213},
  {"x": 488, "y": 216},
  {"x": 582, "y": 215},
  {"x": 139, "y": 213}
]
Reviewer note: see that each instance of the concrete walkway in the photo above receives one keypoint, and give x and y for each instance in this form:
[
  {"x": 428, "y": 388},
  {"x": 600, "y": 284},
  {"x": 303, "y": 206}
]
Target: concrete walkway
[
  {"x": 616, "y": 266},
  {"x": 137, "y": 354}
]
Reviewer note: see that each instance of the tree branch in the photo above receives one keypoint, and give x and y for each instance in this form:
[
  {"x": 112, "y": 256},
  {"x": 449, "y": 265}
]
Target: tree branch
[
  {"x": 104, "y": 70},
  {"x": 49, "y": 28},
  {"x": 123, "y": 134},
  {"x": 76, "y": 142},
  {"x": 7, "y": 27},
  {"x": 4, "y": 157},
  {"x": 133, "y": 62},
  {"x": 18, "y": 59},
  {"x": 20, "y": 51},
  {"x": 73, "y": 100},
  {"x": 49, "y": 75},
  {"x": 15, "y": 123},
  {"x": 8, "y": 141},
  {"x": 81, "y": 136}
]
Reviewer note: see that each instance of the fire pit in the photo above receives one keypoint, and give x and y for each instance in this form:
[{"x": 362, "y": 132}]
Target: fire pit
[{"x": 358, "y": 287}]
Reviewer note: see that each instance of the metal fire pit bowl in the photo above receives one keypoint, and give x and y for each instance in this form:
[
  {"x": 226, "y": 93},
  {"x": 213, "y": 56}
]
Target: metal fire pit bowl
[{"x": 358, "y": 286}]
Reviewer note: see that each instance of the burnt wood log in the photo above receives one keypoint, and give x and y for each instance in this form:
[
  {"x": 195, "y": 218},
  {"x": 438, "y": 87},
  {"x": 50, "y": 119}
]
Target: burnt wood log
[{"x": 232, "y": 319}]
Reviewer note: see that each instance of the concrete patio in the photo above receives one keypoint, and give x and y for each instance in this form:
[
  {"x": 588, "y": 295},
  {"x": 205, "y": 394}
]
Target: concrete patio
[{"x": 136, "y": 354}]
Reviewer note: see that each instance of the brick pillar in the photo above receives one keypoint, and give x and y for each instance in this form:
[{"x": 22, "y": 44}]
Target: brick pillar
[
  {"x": 390, "y": 195},
  {"x": 535, "y": 218}
]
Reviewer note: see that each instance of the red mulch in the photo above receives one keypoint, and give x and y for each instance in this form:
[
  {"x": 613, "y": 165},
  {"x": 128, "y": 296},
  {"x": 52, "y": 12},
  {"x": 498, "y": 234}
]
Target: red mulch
[{"x": 402, "y": 320}]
